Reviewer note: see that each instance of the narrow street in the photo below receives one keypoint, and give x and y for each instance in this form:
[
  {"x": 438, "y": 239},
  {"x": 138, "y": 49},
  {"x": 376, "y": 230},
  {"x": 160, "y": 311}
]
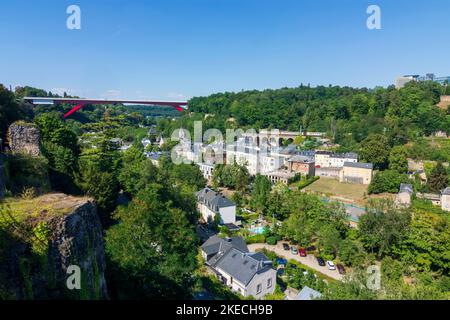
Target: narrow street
[{"x": 309, "y": 260}]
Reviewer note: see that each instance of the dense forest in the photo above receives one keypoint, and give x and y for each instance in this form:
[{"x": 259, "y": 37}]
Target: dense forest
[{"x": 348, "y": 115}]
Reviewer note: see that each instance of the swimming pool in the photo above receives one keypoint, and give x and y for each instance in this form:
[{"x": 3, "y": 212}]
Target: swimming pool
[{"x": 256, "y": 230}]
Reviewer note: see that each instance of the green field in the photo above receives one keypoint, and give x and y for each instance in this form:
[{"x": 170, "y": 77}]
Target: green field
[{"x": 331, "y": 187}]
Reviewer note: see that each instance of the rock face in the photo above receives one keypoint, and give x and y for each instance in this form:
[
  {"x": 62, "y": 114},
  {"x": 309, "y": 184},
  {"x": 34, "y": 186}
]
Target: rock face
[
  {"x": 74, "y": 239},
  {"x": 24, "y": 138}
]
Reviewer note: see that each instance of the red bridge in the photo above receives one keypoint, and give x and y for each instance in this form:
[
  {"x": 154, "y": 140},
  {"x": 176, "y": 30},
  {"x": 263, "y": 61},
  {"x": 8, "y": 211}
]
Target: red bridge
[{"x": 80, "y": 103}]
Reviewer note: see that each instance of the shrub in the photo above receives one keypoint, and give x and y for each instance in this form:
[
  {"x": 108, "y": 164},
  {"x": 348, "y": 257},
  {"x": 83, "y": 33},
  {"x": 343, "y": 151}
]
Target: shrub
[
  {"x": 27, "y": 172},
  {"x": 304, "y": 183},
  {"x": 271, "y": 240},
  {"x": 387, "y": 181},
  {"x": 258, "y": 238}
]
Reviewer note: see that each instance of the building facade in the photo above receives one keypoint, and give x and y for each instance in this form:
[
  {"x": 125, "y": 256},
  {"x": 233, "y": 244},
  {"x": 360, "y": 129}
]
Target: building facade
[
  {"x": 403, "y": 197},
  {"x": 356, "y": 172},
  {"x": 211, "y": 204},
  {"x": 445, "y": 199},
  {"x": 327, "y": 159},
  {"x": 244, "y": 272},
  {"x": 302, "y": 164}
]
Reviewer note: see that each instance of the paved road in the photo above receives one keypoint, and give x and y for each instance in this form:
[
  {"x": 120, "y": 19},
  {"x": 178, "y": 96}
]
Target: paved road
[{"x": 309, "y": 260}]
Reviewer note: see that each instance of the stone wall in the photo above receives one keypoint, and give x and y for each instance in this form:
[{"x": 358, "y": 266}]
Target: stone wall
[
  {"x": 74, "y": 239},
  {"x": 24, "y": 138}
]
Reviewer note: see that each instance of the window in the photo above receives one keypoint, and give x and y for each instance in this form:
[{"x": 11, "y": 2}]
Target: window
[
  {"x": 269, "y": 283},
  {"x": 258, "y": 289}
]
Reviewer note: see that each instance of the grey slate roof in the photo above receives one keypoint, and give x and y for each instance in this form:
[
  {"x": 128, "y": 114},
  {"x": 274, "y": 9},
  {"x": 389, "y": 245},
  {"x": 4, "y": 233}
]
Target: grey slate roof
[
  {"x": 405, "y": 187},
  {"x": 300, "y": 158},
  {"x": 243, "y": 266},
  {"x": 215, "y": 244},
  {"x": 290, "y": 149},
  {"x": 308, "y": 294},
  {"x": 361, "y": 165},
  {"x": 213, "y": 200},
  {"x": 446, "y": 191},
  {"x": 346, "y": 155}
]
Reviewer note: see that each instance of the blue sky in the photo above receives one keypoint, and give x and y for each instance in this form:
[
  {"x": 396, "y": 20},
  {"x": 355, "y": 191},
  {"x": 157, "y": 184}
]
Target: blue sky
[{"x": 176, "y": 49}]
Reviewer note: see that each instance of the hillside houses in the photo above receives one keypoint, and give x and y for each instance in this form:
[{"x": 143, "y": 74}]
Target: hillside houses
[
  {"x": 211, "y": 204},
  {"x": 244, "y": 272}
]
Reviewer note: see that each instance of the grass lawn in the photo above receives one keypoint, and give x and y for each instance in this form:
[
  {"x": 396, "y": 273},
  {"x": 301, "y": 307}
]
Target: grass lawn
[
  {"x": 18, "y": 209},
  {"x": 331, "y": 187}
]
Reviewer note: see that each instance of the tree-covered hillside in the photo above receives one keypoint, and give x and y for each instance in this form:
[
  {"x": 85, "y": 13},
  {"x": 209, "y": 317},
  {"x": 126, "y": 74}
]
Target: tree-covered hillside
[{"x": 338, "y": 110}]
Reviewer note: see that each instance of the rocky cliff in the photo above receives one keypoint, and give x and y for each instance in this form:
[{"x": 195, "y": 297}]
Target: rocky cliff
[
  {"x": 41, "y": 239},
  {"x": 24, "y": 138}
]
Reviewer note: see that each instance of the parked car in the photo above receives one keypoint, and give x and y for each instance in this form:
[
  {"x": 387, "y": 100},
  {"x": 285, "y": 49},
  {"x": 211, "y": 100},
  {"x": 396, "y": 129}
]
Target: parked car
[
  {"x": 294, "y": 250},
  {"x": 311, "y": 248},
  {"x": 286, "y": 246},
  {"x": 331, "y": 265},
  {"x": 320, "y": 261},
  {"x": 340, "y": 268},
  {"x": 302, "y": 252}
]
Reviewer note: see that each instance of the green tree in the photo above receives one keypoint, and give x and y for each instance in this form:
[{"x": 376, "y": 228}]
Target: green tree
[
  {"x": 375, "y": 149},
  {"x": 137, "y": 171},
  {"x": 260, "y": 193},
  {"x": 351, "y": 252},
  {"x": 383, "y": 226},
  {"x": 398, "y": 159},
  {"x": 387, "y": 181},
  {"x": 152, "y": 250},
  {"x": 438, "y": 178}
]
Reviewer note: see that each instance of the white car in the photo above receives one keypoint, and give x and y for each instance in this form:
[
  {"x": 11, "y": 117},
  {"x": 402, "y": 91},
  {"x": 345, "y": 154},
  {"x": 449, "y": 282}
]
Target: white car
[{"x": 331, "y": 265}]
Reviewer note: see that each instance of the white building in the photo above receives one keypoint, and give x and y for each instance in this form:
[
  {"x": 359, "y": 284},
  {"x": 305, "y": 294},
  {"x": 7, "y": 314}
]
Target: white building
[
  {"x": 207, "y": 170},
  {"x": 445, "y": 199},
  {"x": 249, "y": 274},
  {"x": 146, "y": 142},
  {"x": 327, "y": 159},
  {"x": 403, "y": 197},
  {"x": 242, "y": 155},
  {"x": 211, "y": 203},
  {"x": 279, "y": 176},
  {"x": 257, "y": 160}
]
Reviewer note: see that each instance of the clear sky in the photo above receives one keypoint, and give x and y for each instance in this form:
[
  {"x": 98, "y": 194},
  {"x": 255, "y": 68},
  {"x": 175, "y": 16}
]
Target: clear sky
[{"x": 176, "y": 49}]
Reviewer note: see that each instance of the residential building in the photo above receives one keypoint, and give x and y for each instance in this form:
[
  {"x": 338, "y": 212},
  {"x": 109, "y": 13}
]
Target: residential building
[
  {"x": 330, "y": 172},
  {"x": 279, "y": 176},
  {"x": 270, "y": 162},
  {"x": 207, "y": 170},
  {"x": 244, "y": 155},
  {"x": 326, "y": 159},
  {"x": 404, "y": 196},
  {"x": 400, "y": 82},
  {"x": 302, "y": 164},
  {"x": 445, "y": 199},
  {"x": 350, "y": 172},
  {"x": 356, "y": 172},
  {"x": 146, "y": 142},
  {"x": 211, "y": 203},
  {"x": 433, "y": 197},
  {"x": 155, "y": 156},
  {"x": 249, "y": 274}
]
